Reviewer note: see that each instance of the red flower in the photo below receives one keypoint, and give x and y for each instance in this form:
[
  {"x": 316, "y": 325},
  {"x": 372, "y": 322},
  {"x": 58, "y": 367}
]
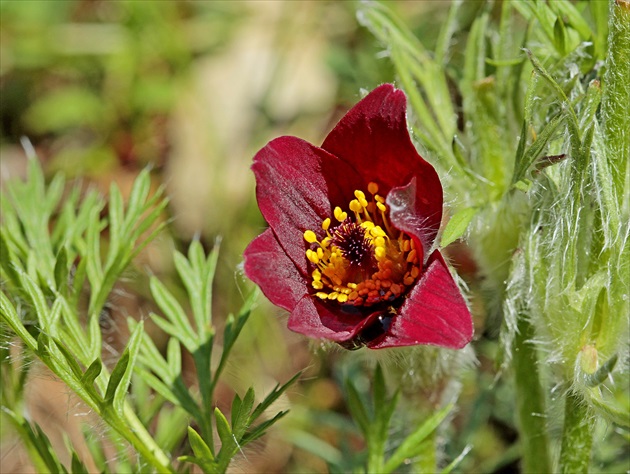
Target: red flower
[{"x": 352, "y": 225}]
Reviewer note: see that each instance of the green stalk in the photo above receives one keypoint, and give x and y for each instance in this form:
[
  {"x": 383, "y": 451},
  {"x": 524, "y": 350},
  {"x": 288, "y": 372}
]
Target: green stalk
[
  {"x": 577, "y": 435},
  {"x": 132, "y": 429},
  {"x": 427, "y": 462},
  {"x": 530, "y": 400},
  {"x": 616, "y": 97},
  {"x": 376, "y": 459}
]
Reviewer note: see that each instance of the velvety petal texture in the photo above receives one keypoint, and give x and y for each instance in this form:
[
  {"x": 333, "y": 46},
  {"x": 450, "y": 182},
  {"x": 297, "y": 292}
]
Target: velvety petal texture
[
  {"x": 435, "y": 312},
  {"x": 301, "y": 188},
  {"x": 373, "y": 138}
]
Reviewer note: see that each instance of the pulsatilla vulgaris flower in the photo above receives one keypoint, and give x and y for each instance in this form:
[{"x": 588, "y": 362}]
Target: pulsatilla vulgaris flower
[{"x": 352, "y": 224}]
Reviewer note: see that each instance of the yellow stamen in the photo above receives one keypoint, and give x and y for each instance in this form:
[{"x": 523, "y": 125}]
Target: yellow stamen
[
  {"x": 312, "y": 256},
  {"x": 340, "y": 215},
  {"x": 310, "y": 236},
  {"x": 355, "y": 206},
  {"x": 344, "y": 273}
]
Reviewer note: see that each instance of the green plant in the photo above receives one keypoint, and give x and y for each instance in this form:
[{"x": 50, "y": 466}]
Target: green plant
[
  {"x": 538, "y": 165},
  {"x": 51, "y": 254}
]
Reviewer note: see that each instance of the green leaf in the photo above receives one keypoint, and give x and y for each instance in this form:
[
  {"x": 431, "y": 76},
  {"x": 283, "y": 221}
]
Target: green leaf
[
  {"x": 8, "y": 260},
  {"x": 273, "y": 396},
  {"x": 61, "y": 270},
  {"x": 410, "y": 447},
  {"x": 70, "y": 360},
  {"x": 10, "y": 316},
  {"x": 175, "y": 314},
  {"x": 259, "y": 430},
  {"x": 133, "y": 347},
  {"x": 36, "y": 297},
  {"x": 357, "y": 409},
  {"x": 240, "y": 413},
  {"x": 116, "y": 217},
  {"x": 76, "y": 466},
  {"x": 199, "y": 446},
  {"x": 457, "y": 225},
  {"x": 601, "y": 374},
  {"x": 174, "y": 358},
  {"x": 37, "y": 443},
  {"x": 560, "y": 36},
  {"x": 524, "y": 165},
  {"x": 93, "y": 371},
  {"x": 116, "y": 377}
]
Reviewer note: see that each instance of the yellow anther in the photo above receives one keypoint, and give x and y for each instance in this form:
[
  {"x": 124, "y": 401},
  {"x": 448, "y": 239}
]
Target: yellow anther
[
  {"x": 334, "y": 277},
  {"x": 367, "y": 225},
  {"x": 312, "y": 256},
  {"x": 339, "y": 214},
  {"x": 360, "y": 195},
  {"x": 310, "y": 236},
  {"x": 377, "y": 231},
  {"x": 355, "y": 206}
]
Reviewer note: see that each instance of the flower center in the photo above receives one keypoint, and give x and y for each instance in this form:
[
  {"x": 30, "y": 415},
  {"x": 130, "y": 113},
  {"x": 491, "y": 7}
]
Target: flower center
[{"x": 362, "y": 261}]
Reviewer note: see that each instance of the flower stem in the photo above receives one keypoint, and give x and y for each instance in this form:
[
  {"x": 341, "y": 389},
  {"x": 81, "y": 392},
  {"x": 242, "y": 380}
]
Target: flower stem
[
  {"x": 427, "y": 459},
  {"x": 616, "y": 97},
  {"x": 577, "y": 435},
  {"x": 530, "y": 401}
]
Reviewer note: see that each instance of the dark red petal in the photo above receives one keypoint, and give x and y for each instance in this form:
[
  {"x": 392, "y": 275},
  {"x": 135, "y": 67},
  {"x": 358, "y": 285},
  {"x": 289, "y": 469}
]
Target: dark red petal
[
  {"x": 435, "y": 312},
  {"x": 373, "y": 138},
  {"x": 314, "y": 319},
  {"x": 295, "y": 184},
  {"x": 267, "y": 265}
]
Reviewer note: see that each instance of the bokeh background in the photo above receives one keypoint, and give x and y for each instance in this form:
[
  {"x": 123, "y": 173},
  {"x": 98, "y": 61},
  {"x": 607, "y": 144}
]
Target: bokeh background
[{"x": 192, "y": 89}]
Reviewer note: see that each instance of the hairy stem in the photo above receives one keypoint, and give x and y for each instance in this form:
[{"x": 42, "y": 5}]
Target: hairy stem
[
  {"x": 530, "y": 401},
  {"x": 617, "y": 93},
  {"x": 577, "y": 435}
]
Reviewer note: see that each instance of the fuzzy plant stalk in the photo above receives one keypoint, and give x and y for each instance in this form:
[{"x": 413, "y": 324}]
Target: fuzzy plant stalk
[
  {"x": 616, "y": 97},
  {"x": 574, "y": 277},
  {"x": 610, "y": 323}
]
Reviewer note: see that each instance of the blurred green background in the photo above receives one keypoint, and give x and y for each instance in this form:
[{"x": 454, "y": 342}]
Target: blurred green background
[{"x": 103, "y": 89}]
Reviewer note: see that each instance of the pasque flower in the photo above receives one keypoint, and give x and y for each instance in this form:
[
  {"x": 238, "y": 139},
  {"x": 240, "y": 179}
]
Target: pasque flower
[{"x": 349, "y": 251}]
